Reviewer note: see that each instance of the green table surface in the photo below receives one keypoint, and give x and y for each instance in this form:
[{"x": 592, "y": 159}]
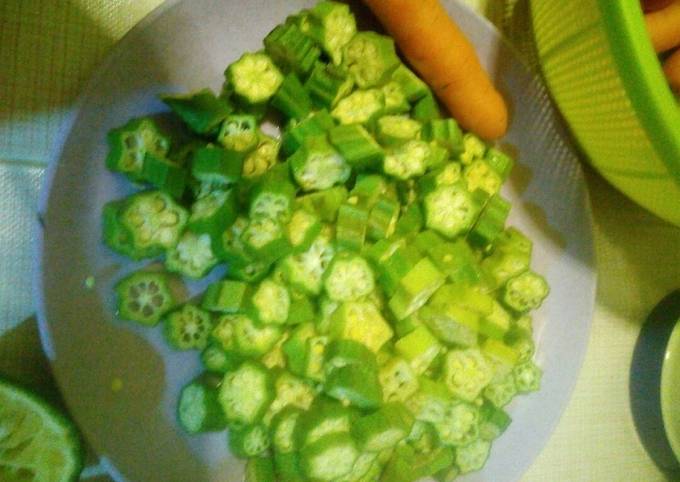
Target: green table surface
[{"x": 48, "y": 48}]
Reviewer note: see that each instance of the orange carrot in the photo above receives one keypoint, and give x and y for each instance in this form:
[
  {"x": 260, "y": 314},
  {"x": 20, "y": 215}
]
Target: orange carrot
[
  {"x": 664, "y": 27},
  {"x": 446, "y": 60},
  {"x": 671, "y": 67}
]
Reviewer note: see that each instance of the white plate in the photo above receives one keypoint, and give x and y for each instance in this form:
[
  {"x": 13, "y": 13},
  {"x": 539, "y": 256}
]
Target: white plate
[{"x": 186, "y": 45}]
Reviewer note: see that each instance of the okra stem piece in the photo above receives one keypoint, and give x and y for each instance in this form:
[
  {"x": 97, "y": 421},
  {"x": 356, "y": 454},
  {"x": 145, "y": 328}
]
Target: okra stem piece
[
  {"x": 426, "y": 109},
  {"x": 291, "y": 49},
  {"x": 382, "y": 220},
  {"x": 352, "y": 226},
  {"x": 500, "y": 162},
  {"x": 361, "y": 321},
  {"x": 419, "y": 347},
  {"x": 446, "y": 133},
  {"x": 415, "y": 288},
  {"x": 296, "y": 132},
  {"x": 394, "y": 130},
  {"x": 202, "y": 111},
  {"x": 412, "y": 85},
  {"x": 292, "y": 99},
  {"x": 325, "y": 204},
  {"x": 340, "y": 353},
  {"x": 327, "y": 84},
  {"x": 357, "y": 147},
  {"x": 164, "y": 175},
  {"x": 355, "y": 385},
  {"x": 384, "y": 428}
]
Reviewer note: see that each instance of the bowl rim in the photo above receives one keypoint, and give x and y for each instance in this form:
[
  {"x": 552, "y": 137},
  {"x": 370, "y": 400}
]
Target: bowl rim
[
  {"x": 670, "y": 372},
  {"x": 643, "y": 79}
]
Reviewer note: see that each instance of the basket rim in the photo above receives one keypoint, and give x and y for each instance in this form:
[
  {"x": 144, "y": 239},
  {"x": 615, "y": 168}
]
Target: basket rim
[{"x": 643, "y": 79}]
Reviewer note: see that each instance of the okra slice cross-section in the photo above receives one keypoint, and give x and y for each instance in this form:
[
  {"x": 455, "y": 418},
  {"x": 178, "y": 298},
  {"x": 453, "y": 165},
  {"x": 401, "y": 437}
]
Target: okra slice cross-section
[
  {"x": 246, "y": 393},
  {"x": 349, "y": 277},
  {"x": 188, "y": 328},
  {"x": 329, "y": 457},
  {"x": 466, "y": 373},
  {"x": 154, "y": 219},
  {"x": 192, "y": 256},
  {"x": 254, "y": 78},
  {"x": 250, "y": 441},
  {"x": 144, "y": 297},
  {"x": 317, "y": 166},
  {"x": 370, "y": 58},
  {"x": 332, "y": 25},
  {"x": 130, "y": 143},
  {"x": 525, "y": 292},
  {"x": 270, "y": 302},
  {"x": 451, "y": 210}
]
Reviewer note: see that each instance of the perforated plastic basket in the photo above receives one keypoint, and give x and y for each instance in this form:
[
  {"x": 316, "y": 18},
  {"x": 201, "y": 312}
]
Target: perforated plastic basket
[{"x": 607, "y": 81}]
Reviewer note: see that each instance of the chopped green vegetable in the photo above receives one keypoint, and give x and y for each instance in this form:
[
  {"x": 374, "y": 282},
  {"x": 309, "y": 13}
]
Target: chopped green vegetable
[
  {"x": 373, "y": 321},
  {"x": 144, "y": 297},
  {"x": 188, "y": 328},
  {"x": 370, "y": 58},
  {"x": 202, "y": 111},
  {"x": 254, "y": 78},
  {"x": 245, "y": 393},
  {"x": 316, "y": 165},
  {"x": 199, "y": 409},
  {"x": 130, "y": 143}
]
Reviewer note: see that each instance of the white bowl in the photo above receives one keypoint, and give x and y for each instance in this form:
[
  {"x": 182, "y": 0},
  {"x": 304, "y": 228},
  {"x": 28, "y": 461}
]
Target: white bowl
[{"x": 121, "y": 381}]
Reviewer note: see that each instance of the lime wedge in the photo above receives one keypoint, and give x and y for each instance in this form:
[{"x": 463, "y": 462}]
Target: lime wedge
[{"x": 37, "y": 444}]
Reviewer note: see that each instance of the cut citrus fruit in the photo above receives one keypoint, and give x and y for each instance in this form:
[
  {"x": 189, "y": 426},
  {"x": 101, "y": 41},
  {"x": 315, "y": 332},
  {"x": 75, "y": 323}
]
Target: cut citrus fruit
[{"x": 37, "y": 443}]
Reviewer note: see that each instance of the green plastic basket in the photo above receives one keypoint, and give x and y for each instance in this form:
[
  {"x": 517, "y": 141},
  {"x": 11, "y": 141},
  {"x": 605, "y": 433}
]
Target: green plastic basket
[{"x": 607, "y": 81}]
